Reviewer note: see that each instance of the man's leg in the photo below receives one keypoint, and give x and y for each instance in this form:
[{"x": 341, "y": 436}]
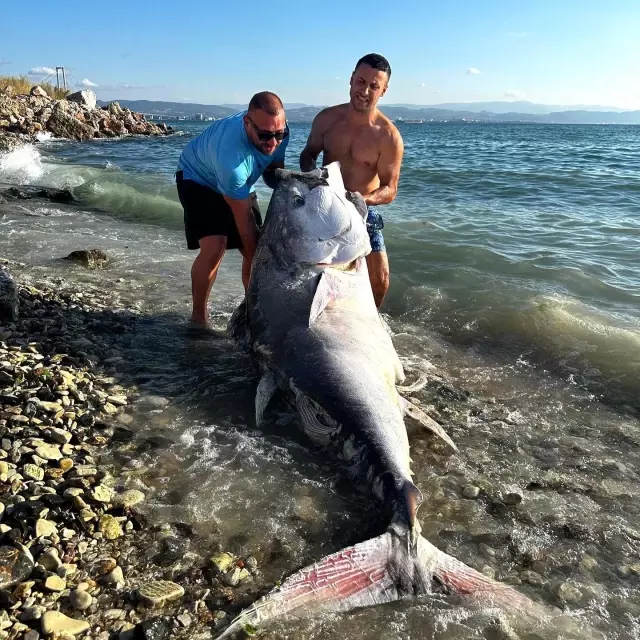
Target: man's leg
[
  {"x": 246, "y": 270},
  {"x": 377, "y": 261},
  {"x": 378, "y": 267},
  {"x": 203, "y": 274}
]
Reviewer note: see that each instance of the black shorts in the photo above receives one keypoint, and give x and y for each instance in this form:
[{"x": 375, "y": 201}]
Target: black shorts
[{"x": 206, "y": 213}]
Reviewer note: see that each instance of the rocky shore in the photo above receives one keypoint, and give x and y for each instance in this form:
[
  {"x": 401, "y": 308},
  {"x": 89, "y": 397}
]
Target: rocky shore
[
  {"x": 77, "y": 558},
  {"x": 77, "y": 117}
]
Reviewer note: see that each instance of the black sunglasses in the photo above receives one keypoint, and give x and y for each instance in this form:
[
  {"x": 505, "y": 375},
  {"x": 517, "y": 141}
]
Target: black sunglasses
[{"x": 265, "y": 136}]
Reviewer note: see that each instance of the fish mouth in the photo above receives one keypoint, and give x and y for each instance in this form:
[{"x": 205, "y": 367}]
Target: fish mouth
[{"x": 344, "y": 266}]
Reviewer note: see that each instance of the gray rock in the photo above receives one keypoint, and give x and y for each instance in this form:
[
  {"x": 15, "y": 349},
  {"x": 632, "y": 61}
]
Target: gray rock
[
  {"x": 64, "y": 125},
  {"x": 32, "y": 613},
  {"x": 9, "y": 300},
  {"x": 114, "y": 578},
  {"x": 90, "y": 258},
  {"x": 471, "y": 492},
  {"x": 87, "y": 98},
  {"x": 50, "y": 559},
  {"x": 80, "y": 600},
  {"x": 15, "y": 566},
  {"x": 38, "y": 91}
]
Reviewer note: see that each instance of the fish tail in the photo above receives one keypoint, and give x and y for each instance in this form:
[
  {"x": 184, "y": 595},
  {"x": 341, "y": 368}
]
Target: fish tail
[
  {"x": 357, "y": 576},
  {"x": 377, "y": 571},
  {"x": 458, "y": 578}
]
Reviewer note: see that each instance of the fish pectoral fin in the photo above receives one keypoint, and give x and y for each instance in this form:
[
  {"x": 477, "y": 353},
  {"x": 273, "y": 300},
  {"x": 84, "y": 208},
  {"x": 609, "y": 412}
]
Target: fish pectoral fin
[
  {"x": 267, "y": 388},
  {"x": 428, "y": 423},
  {"x": 325, "y": 293}
]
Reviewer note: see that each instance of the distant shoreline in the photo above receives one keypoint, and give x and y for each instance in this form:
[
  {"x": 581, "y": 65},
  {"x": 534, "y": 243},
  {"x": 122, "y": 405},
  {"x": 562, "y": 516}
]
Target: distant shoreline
[{"x": 168, "y": 111}]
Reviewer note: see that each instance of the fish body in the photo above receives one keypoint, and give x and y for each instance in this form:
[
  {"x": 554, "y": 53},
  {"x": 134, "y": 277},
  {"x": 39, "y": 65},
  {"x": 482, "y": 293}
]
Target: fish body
[{"x": 310, "y": 321}]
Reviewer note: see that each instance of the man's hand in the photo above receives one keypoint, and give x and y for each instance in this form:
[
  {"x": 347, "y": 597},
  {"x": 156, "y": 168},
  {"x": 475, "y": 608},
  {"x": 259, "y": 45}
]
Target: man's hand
[
  {"x": 269, "y": 174},
  {"x": 245, "y": 222},
  {"x": 315, "y": 142}
]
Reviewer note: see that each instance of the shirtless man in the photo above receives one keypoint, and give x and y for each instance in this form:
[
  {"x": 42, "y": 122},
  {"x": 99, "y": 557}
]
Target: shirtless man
[{"x": 369, "y": 149}]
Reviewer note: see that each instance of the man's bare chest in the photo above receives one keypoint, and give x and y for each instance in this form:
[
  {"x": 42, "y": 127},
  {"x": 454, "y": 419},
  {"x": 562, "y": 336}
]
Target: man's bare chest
[{"x": 352, "y": 147}]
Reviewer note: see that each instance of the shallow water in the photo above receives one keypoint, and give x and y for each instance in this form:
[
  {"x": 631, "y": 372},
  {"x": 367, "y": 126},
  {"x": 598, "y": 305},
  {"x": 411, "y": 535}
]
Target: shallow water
[{"x": 523, "y": 380}]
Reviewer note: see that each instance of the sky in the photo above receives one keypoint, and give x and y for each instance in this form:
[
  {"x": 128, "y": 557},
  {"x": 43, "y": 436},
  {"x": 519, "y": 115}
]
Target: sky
[{"x": 558, "y": 52}]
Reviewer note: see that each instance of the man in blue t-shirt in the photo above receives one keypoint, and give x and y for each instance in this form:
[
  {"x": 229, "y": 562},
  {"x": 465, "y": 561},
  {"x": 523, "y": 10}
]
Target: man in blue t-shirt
[{"x": 215, "y": 178}]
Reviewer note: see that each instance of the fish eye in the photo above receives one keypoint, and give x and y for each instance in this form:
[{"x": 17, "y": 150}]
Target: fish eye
[{"x": 298, "y": 200}]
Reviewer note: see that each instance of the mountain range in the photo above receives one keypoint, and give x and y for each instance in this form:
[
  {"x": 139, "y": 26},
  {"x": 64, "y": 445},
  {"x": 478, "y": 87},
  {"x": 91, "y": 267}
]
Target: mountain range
[{"x": 519, "y": 111}]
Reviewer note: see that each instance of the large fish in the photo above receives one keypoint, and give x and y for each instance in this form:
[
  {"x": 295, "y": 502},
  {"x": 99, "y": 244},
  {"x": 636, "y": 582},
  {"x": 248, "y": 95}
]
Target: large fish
[{"x": 310, "y": 321}]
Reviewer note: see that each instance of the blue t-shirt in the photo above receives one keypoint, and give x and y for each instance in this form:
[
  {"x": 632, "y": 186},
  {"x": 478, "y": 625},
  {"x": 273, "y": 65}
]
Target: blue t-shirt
[{"x": 223, "y": 158}]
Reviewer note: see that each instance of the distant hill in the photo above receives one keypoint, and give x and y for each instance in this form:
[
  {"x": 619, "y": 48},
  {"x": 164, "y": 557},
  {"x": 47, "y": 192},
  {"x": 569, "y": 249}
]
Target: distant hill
[
  {"x": 504, "y": 106},
  {"x": 173, "y": 109},
  {"x": 441, "y": 113}
]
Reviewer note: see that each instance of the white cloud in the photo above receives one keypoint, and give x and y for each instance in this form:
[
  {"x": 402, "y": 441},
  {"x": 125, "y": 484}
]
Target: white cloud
[
  {"x": 87, "y": 83},
  {"x": 337, "y": 77},
  {"x": 121, "y": 86},
  {"x": 4, "y": 61},
  {"x": 41, "y": 71},
  {"x": 472, "y": 71},
  {"x": 515, "y": 93},
  {"x": 423, "y": 84}
]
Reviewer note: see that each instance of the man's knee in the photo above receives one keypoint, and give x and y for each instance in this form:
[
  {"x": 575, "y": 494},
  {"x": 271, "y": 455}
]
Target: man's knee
[{"x": 212, "y": 249}]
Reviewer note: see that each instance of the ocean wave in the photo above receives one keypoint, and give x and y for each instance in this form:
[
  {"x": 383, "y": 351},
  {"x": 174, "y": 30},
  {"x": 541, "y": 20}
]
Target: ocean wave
[{"x": 21, "y": 166}]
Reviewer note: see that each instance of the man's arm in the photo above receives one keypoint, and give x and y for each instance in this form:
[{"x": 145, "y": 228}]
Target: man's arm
[
  {"x": 388, "y": 169},
  {"x": 269, "y": 174},
  {"x": 315, "y": 143},
  {"x": 246, "y": 223}
]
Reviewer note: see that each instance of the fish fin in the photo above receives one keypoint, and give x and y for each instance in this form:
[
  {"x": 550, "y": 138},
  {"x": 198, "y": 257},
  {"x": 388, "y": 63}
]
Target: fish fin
[
  {"x": 422, "y": 418},
  {"x": 334, "y": 177},
  {"x": 358, "y": 201},
  {"x": 374, "y": 572},
  {"x": 354, "y": 577},
  {"x": 324, "y": 295},
  {"x": 456, "y": 577},
  {"x": 265, "y": 391},
  {"x": 418, "y": 385}
]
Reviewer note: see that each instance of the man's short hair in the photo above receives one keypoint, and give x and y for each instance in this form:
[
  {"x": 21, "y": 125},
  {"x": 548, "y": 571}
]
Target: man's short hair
[
  {"x": 377, "y": 62},
  {"x": 267, "y": 102}
]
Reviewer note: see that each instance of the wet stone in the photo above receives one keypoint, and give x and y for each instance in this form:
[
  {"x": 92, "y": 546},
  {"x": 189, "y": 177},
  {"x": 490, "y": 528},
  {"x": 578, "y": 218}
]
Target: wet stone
[
  {"x": 101, "y": 493},
  {"x": 154, "y": 629},
  {"x": 234, "y": 576},
  {"x": 156, "y": 593},
  {"x": 471, "y": 492},
  {"x": 15, "y": 566},
  {"x": 110, "y": 527},
  {"x": 568, "y": 593},
  {"x": 222, "y": 561},
  {"x": 128, "y": 498}
]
